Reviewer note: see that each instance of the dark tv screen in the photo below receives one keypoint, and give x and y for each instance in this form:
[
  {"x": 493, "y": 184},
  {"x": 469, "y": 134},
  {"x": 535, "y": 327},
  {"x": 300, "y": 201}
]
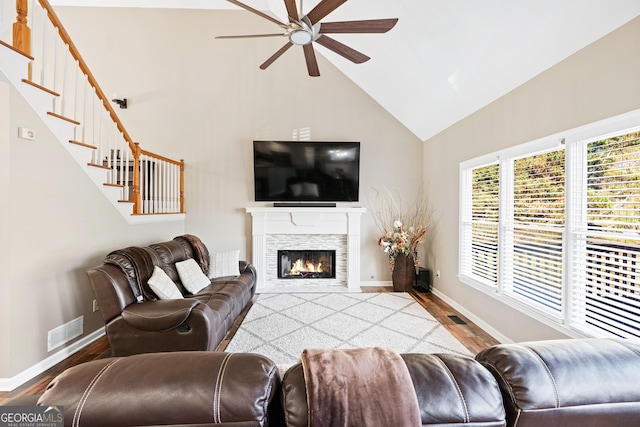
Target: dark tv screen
[{"x": 305, "y": 171}]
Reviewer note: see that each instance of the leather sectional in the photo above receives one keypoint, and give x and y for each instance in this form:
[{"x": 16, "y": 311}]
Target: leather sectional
[
  {"x": 567, "y": 383},
  {"x": 172, "y": 376},
  {"x": 138, "y": 321}
]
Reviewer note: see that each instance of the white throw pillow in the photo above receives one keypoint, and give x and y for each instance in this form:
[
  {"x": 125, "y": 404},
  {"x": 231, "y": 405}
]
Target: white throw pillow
[
  {"x": 224, "y": 264},
  {"x": 191, "y": 276},
  {"x": 162, "y": 285}
]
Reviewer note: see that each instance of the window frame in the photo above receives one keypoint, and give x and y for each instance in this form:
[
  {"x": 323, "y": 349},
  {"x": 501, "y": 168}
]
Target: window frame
[{"x": 574, "y": 142}]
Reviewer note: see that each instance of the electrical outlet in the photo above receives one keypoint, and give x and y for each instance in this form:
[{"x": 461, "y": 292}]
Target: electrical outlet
[
  {"x": 95, "y": 306},
  {"x": 438, "y": 274},
  {"x": 25, "y": 133}
]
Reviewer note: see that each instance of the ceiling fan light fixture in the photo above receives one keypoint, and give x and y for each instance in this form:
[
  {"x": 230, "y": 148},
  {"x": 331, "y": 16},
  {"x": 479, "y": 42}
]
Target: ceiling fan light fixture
[
  {"x": 305, "y": 30},
  {"x": 300, "y": 37}
]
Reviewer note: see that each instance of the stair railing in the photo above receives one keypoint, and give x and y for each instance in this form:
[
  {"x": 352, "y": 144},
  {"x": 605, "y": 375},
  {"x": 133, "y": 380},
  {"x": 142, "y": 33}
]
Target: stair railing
[{"x": 155, "y": 184}]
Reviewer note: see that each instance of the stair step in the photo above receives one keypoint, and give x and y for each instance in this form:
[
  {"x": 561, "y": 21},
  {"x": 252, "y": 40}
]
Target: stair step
[
  {"x": 36, "y": 85},
  {"x": 114, "y": 193},
  {"x": 31, "y": 58},
  {"x": 93, "y": 165},
  {"x": 82, "y": 144},
  {"x": 58, "y": 116},
  {"x": 15, "y": 65}
]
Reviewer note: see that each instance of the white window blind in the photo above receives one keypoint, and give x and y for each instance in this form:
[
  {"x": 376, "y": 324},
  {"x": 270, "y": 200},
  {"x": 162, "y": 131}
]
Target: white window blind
[
  {"x": 480, "y": 229},
  {"x": 532, "y": 244},
  {"x": 606, "y": 294},
  {"x": 552, "y": 227}
]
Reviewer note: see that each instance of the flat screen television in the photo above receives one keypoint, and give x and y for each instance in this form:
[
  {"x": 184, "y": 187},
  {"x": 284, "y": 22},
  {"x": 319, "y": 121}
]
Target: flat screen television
[{"x": 306, "y": 171}]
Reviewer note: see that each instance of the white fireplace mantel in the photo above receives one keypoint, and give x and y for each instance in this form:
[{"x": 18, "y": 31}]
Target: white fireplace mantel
[{"x": 307, "y": 221}]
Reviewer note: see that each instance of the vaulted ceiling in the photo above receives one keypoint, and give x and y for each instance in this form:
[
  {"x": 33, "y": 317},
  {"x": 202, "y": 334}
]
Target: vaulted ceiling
[{"x": 444, "y": 59}]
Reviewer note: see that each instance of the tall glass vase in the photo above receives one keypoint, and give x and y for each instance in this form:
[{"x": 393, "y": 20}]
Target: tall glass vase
[{"x": 404, "y": 273}]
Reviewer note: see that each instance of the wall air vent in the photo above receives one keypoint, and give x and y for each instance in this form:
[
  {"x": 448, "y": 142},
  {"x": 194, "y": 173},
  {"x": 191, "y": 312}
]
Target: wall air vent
[{"x": 65, "y": 333}]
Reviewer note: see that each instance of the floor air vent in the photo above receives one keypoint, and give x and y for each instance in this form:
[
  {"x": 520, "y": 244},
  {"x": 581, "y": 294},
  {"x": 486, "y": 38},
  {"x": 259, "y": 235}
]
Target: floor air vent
[{"x": 457, "y": 320}]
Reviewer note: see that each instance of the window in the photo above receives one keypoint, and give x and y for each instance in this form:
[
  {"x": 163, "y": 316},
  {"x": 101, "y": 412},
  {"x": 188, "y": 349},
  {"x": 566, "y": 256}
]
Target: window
[
  {"x": 534, "y": 231},
  {"x": 553, "y": 227},
  {"x": 481, "y": 225},
  {"x": 607, "y": 259}
]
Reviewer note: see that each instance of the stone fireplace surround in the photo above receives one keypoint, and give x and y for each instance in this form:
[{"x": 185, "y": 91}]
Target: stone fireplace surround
[{"x": 336, "y": 228}]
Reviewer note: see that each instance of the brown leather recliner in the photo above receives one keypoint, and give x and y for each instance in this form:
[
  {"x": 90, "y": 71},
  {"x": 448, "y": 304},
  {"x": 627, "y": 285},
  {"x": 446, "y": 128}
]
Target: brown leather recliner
[
  {"x": 136, "y": 321},
  {"x": 176, "y": 388},
  {"x": 568, "y": 383}
]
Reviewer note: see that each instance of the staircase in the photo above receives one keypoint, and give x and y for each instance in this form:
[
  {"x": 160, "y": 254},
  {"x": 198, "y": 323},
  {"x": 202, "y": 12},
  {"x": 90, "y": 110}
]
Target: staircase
[{"x": 43, "y": 64}]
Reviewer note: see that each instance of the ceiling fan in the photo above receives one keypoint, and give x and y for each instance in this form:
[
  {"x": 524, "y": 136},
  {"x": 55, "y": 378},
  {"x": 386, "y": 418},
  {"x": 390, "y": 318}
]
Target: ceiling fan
[{"x": 303, "y": 30}]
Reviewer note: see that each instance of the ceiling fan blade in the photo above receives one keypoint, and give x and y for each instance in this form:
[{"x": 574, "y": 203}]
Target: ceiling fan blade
[
  {"x": 275, "y": 56},
  {"x": 323, "y": 8},
  {"x": 249, "y": 36},
  {"x": 312, "y": 63},
  {"x": 257, "y": 12},
  {"x": 366, "y": 26},
  {"x": 342, "y": 49},
  {"x": 292, "y": 11}
]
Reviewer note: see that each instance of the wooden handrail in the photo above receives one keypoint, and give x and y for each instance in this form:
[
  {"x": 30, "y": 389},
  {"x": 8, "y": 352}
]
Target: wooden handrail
[
  {"x": 53, "y": 17},
  {"x": 22, "y": 44},
  {"x": 136, "y": 190},
  {"x": 159, "y": 157}
]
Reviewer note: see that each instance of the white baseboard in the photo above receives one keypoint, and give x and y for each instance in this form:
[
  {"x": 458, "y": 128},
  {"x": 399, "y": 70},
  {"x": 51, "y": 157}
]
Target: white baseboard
[
  {"x": 377, "y": 283},
  {"x": 9, "y": 384},
  {"x": 475, "y": 319}
]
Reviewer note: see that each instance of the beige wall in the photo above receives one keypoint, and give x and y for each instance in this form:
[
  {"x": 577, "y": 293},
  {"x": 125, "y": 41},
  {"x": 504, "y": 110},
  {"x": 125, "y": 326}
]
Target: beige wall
[
  {"x": 190, "y": 97},
  {"x": 55, "y": 225},
  {"x": 5, "y": 291},
  {"x": 600, "y": 81},
  {"x": 206, "y": 100}
]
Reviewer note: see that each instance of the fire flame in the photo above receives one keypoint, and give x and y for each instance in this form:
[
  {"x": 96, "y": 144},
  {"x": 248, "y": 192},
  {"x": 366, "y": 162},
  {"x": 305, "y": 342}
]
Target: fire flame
[{"x": 300, "y": 267}]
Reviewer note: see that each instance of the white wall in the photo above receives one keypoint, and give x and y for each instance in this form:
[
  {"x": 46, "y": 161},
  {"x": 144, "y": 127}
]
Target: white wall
[
  {"x": 55, "y": 225},
  {"x": 206, "y": 100},
  {"x": 599, "y": 81}
]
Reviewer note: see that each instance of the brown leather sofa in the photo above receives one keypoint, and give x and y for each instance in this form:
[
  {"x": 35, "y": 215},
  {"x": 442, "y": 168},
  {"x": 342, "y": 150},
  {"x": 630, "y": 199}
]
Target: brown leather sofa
[
  {"x": 563, "y": 383},
  {"x": 567, "y": 383},
  {"x": 452, "y": 391},
  {"x": 137, "y": 321}
]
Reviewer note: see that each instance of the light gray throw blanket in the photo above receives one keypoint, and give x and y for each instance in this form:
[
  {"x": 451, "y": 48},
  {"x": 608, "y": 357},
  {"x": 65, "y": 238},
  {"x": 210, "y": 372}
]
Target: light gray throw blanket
[{"x": 368, "y": 387}]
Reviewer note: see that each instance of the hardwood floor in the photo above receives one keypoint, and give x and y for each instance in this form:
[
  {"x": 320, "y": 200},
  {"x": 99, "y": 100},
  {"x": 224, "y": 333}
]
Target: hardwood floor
[
  {"x": 469, "y": 334},
  {"x": 96, "y": 350}
]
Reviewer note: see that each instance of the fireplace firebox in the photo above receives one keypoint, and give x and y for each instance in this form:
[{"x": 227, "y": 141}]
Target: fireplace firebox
[{"x": 306, "y": 264}]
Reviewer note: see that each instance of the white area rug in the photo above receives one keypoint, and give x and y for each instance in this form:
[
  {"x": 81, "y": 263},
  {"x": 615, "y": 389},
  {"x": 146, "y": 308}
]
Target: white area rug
[{"x": 280, "y": 326}]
